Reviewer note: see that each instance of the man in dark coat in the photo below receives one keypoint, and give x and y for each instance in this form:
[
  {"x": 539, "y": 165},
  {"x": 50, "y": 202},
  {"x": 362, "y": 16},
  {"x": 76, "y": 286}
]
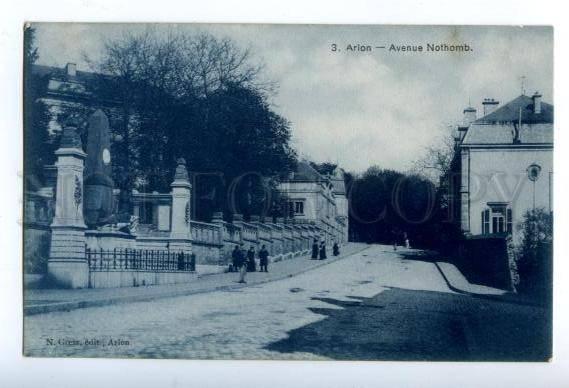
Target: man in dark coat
[
  {"x": 235, "y": 259},
  {"x": 323, "y": 250},
  {"x": 336, "y": 249},
  {"x": 264, "y": 259},
  {"x": 315, "y": 250},
  {"x": 251, "y": 265}
]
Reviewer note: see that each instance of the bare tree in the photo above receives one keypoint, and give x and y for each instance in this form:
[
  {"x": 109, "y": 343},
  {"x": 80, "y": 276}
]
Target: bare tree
[
  {"x": 437, "y": 158},
  {"x": 210, "y": 64}
]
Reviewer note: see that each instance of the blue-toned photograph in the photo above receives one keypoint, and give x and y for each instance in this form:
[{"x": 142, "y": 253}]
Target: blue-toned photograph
[{"x": 288, "y": 192}]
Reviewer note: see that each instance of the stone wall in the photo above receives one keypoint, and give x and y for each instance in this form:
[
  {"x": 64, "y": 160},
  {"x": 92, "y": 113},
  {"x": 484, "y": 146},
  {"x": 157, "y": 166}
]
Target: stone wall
[
  {"x": 38, "y": 214},
  {"x": 125, "y": 278},
  {"x": 484, "y": 260}
]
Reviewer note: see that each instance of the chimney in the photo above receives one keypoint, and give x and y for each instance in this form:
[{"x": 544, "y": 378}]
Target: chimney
[
  {"x": 536, "y": 103},
  {"x": 489, "y": 105},
  {"x": 469, "y": 116},
  {"x": 71, "y": 69}
]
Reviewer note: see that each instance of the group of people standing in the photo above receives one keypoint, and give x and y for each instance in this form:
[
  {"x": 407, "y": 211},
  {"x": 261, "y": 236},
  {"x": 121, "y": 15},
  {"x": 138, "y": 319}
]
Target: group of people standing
[
  {"x": 244, "y": 261},
  {"x": 319, "y": 250}
]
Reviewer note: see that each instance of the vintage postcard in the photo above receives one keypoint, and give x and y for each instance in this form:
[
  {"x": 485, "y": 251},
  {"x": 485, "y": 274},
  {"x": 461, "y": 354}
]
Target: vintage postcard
[{"x": 288, "y": 192}]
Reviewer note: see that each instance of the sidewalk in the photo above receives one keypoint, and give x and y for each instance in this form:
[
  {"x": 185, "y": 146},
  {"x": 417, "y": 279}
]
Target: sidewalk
[{"x": 38, "y": 301}]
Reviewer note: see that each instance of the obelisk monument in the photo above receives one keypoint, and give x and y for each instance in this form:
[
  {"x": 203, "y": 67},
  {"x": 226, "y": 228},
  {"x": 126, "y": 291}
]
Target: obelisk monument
[{"x": 98, "y": 182}]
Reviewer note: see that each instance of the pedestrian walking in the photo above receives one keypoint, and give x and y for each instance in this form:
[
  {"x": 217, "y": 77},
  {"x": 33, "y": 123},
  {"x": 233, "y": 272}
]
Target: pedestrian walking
[
  {"x": 251, "y": 265},
  {"x": 406, "y": 238},
  {"x": 241, "y": 265},
  {"x": 234, "y": 259},
  {"x": 323, "y": 251},
  {"x": 394, "y": 236},
  {"x": 336, "y": 249},
  {"x": 264, "y": 259}
]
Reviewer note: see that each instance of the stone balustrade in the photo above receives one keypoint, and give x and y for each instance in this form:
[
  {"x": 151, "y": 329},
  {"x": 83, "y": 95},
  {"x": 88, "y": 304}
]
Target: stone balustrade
[
  {"x": 207, "y": 246},
  {"x": 206, "y": 233},
  {"x": 38, "y": 209}
]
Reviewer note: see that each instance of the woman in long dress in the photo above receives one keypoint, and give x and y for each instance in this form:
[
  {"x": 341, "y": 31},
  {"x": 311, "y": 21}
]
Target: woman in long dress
[
  {"x": 323, "y": 251},
  {"x": 315, "y": 250}
]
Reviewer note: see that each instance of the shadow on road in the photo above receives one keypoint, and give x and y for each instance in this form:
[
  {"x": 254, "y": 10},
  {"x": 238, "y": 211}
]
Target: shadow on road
[{"x": 410, "y": 325}]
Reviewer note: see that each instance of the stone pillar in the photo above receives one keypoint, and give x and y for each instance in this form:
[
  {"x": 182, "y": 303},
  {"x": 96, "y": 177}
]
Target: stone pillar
[
  {"x": 465, "y": 191},
  {"x": 67, "y": 265},
  {"x": 180, "y": 232},
  {"x": 217, "y": 218}
]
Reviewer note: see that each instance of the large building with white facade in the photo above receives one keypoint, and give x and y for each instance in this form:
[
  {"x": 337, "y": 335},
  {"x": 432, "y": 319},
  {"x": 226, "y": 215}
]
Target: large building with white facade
[
  {"x": 319, "y": 199},
  {"x": 504, "y": 165}
]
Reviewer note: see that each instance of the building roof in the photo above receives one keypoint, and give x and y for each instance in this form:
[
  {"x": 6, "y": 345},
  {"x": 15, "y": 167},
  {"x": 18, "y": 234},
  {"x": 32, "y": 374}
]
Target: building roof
[
  {"x": 338, "y": 181},
  {"x": 500, "y": 126},
  {"x": 498, "y": 133},
  {"x": 510, "y": 112},
  {"x": 305, "y": 172},
  {"x": 80, "y": 85},
  {"x": 60, "y": 73}
]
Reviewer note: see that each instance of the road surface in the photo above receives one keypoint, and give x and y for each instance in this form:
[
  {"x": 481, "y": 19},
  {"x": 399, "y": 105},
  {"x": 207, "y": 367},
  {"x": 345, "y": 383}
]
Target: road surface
[{"x": 373, "y": 305}]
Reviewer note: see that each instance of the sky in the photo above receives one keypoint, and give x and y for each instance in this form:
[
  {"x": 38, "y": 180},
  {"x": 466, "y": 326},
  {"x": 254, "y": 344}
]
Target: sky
[{"x": 360, "y": 108}]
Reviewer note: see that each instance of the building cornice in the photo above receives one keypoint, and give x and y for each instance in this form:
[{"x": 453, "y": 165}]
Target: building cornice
[{"x": 503, "y": 146}]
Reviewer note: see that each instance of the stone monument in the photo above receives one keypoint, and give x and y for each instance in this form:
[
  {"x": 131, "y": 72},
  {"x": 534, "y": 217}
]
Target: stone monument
[
  {"x": 181, "y": 233},
  {"x": 98, "y": 182},
  {"x": 67, "y": 265}
]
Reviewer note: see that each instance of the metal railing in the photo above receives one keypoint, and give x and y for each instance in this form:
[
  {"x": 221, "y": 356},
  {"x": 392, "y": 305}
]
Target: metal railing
[{"x": 100, "y": 260}]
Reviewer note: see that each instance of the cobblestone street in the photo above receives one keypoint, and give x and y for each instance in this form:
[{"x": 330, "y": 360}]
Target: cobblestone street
[{"x": 375, "y": 304}]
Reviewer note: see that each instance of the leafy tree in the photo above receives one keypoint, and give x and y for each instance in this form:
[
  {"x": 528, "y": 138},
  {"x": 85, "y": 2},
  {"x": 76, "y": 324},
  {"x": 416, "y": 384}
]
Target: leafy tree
[
  {"x": 201, "y": 98},
  {"x": 537, "y": 230},
  {"x": 325, "y": 168},
  {"x": 385, "y": 204},
  {"x": 38, "y": 150}
]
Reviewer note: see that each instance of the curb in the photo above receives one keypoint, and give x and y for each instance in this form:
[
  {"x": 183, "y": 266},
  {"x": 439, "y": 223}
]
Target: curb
[
  {"x": 508, "y": 297},
  {"x": 448, "y": 283},
  {"x": 74, "y": 305}
]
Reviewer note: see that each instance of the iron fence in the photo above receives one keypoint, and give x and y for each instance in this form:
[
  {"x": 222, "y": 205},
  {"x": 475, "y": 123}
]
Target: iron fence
[{"x": 139, "y": 260}]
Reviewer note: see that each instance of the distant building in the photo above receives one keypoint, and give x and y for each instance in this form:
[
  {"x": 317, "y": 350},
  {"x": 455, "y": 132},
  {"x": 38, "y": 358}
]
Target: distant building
[
  {"x": 320, "y": 199},
  {"x": 503, "y": 165},
  {"x": 67, "y": 89}
]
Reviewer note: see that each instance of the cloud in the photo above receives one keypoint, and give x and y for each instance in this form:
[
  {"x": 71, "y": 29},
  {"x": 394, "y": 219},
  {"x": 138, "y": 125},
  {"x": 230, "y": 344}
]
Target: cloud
[{"x": 362, "y": 109}]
